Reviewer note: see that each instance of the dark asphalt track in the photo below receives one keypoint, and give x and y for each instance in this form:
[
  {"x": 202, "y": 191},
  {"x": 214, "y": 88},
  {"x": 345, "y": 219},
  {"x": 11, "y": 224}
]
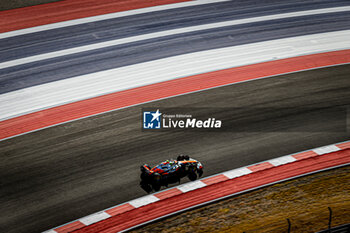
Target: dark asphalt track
[
  {"x": 36, "y": 73},
  {"x": 12, "y": 4},
  {"x": 62, "y": 173},
  {"x": 84, "y": 34}
]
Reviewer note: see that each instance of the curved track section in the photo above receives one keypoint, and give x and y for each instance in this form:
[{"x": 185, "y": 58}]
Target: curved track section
[
  {"x": 81, "y": 63},
  {"x": 172, "y": 201},
  {"x": 68, "y": 168},
  {"x": 58, "y": 174},
  {"x": 114, "y": 101},
  {"x": 72, "y": 10},
  {"x": 71, "y": 45}
]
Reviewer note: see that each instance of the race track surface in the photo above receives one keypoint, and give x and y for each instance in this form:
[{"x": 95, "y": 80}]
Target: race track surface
[
  {"x": 13, "y": 4},
  {"x": 58, "y": 174},
  {"x": 62, "y": 173},
  {"x": 63, "y": 67}
]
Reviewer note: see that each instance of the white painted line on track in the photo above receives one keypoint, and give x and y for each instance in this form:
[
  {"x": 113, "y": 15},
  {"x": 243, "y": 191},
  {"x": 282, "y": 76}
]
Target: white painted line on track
[
  {"x": 88, "y": 220},
  {"x": 143, "y": 201},
  {"x": 70, "y": 90},
  {"x": 237, "y": 172},
  {"x": 233, "y": 194},
  {"x": 282, "y": 160},
  {"x": 50, "y": 231},
  {"x": 191, "y": 186},
  {"x": 230, "y": 174},
  {"x": 326, "y": 149},
  {"x": 110, "y": 43},
  {"x": 105, "y": 17}
]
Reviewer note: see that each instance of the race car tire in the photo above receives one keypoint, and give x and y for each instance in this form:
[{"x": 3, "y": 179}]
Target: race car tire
[
  {"x": 156, "y": 184},
  {"x": 192, "y": 176},
  {"x": 156, "y": 187},
  {"x": 145, "y": 186},
  {"x": 200, "y": 172},
  {"x": 144, "y": 176}
]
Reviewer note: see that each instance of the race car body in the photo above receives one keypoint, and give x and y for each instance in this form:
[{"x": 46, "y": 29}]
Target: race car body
[{"x": 170, "y": 171}]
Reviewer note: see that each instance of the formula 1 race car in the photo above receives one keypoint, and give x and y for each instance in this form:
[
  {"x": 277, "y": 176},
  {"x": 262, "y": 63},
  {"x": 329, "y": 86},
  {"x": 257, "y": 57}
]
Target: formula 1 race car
[{"x": 168, "y": 172}]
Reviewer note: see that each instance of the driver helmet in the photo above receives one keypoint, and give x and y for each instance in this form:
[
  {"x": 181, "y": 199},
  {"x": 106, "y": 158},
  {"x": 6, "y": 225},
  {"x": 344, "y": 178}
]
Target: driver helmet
[
  {"x": 180, "y": 157},
  {"x": 171, "y": 162}
]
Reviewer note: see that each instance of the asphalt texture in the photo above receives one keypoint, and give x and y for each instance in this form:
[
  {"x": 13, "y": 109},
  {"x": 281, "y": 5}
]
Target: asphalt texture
[
  {"x": 22, "y": 76},
  {"x": 59, "y": 174},
  {"x": 13, "y": 4},
  {"x": 104, "y": 30}
]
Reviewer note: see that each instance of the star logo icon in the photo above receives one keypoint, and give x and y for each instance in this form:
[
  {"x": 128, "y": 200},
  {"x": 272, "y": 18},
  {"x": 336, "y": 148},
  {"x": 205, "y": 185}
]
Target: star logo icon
[
  {"x": 151, "y": 120},
  {"x": 156, "y": 115}
]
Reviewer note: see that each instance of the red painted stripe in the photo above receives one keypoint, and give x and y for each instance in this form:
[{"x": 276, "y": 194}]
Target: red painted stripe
[
  {"x": 304, "y": 155},
  {"x": 168, "y": 193},
  {"x": 120, "y": 209},
  {"x": 260, "y": 166},
  {"x": 70, "y": 227},
  {"x": 344, "y": 145},
  {"x": 76, "y": 110},
  {"x": 215, "y": 191},
  {"x": 32, "y": 16},
  {"x": 215, "y": 179}
]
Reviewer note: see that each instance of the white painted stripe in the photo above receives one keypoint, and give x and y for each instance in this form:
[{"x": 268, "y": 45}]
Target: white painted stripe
[
  {"x": 60, "y": 92},
  {"x": 326, "y": 149},
  {"x": 106, "y": 44},
  {"x": 88, "y": 220},
  {"x": 230, "y": 195},
  {"x": 143, "y": 201},
  {"x": 282, "y": 160},
  {"x": 191, "y": 186},
  {"x": 106, "y": 16},
  {"x": 50, "y": 231},
  {"x": 237, "y": 172},
  {"x": 227, "y": 172}
]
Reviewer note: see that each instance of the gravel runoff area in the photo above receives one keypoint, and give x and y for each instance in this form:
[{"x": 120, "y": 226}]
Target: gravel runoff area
[
  {"x": 304, "y": 201},
  {"x": 12, "y": 4}
]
